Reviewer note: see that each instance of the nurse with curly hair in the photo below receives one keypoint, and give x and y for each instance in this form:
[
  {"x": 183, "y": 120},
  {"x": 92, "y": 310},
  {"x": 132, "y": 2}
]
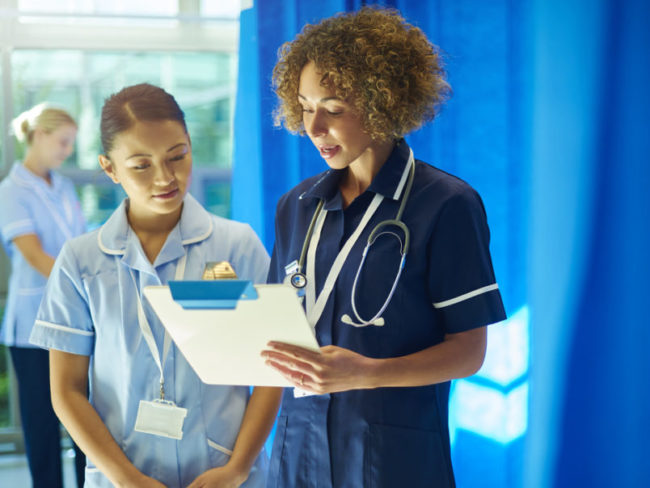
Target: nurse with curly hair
[{"x": 392, "y": 255}]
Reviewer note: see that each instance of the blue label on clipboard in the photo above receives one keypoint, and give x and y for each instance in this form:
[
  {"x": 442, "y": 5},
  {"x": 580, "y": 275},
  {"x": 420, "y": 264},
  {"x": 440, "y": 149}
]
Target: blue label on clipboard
[{"x": 211, "y": 293}]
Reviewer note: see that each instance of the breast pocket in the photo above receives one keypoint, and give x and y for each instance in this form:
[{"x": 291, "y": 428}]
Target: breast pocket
[{"x": 398, "y": 456}]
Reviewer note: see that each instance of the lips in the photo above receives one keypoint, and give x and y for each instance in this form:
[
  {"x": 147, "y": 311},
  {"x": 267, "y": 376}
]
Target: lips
[
  {"x": 167, "y": 195},
  {"x": 328, "y": 152}
]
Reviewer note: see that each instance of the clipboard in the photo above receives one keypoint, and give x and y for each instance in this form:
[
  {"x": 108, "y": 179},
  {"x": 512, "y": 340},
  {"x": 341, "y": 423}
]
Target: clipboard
[{"x": 221, "y": 334}]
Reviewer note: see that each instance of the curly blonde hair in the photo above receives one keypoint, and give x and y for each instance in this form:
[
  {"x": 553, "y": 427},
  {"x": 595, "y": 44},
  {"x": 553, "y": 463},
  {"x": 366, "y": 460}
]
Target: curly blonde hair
[{"x": 386, "y": 67}]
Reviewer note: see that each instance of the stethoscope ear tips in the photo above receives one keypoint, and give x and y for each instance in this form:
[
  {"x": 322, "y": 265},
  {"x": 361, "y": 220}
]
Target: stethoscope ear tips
[{"x": 345, "y": 318}]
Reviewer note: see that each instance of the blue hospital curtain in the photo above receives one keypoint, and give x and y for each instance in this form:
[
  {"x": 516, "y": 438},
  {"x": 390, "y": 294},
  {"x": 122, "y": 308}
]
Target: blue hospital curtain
[
  {"x": 590, "y": 242},
  {"x": 479, "y": 136}
]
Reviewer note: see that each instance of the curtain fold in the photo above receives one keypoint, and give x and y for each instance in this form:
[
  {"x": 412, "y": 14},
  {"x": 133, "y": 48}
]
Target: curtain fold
[{"x": 590, "y": 236}]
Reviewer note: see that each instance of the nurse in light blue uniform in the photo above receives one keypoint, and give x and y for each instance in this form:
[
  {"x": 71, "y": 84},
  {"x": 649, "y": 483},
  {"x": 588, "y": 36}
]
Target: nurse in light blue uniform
[
  {"x": 39, "y": 211},
  {"x": 90, "y": 318},
  {"x": 32, "y": 206}
]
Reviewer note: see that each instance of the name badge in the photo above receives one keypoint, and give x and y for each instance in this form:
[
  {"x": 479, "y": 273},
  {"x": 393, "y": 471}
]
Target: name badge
[
  {"x": 219, "y": 270},
  {"x": 300, "y": 393},
  {"x": 161, "y": 418}
]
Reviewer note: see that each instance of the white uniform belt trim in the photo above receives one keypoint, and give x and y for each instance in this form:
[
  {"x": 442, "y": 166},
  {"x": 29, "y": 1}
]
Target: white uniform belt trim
[
  {"x": 466, "y": 296},
  {"x": 20, "y": 223},
  {"x": 218, "y": 447},
  {"x": 64, "y": 328}
]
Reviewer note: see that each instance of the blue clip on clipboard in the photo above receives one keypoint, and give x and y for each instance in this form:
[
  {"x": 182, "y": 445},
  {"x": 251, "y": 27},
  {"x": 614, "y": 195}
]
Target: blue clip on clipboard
[{"x": 210, "y": 294}]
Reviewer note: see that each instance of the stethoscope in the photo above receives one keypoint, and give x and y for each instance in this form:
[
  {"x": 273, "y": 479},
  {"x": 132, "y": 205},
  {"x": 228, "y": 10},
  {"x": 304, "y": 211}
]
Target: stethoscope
[{"x": 298, "y": 279}]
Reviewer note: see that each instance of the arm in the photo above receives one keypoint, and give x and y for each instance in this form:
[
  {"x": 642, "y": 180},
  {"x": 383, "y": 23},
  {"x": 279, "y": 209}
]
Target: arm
[
  {"x": 256, "y": 425},
  {"x": 68, "y": 381},
  {"x": 337, "y": 369},
  {"x": 30, "y": 247}
]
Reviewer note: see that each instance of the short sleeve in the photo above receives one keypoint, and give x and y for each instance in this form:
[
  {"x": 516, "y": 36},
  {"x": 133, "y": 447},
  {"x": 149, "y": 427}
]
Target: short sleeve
[
  {"x": 63, "y": 321},
  {"x": 16, "y": 217},
  {"x": 462, "y": 286}
]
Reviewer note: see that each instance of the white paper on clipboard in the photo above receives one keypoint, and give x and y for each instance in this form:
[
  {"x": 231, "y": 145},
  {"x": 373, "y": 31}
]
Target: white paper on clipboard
[{"x": 224, "y": 345}]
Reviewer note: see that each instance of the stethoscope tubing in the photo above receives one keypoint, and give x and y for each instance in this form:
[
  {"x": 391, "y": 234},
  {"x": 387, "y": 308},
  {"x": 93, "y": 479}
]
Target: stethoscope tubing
[
  {"x": 374, "y": 233},
  {"x": 299, "y": 279}
]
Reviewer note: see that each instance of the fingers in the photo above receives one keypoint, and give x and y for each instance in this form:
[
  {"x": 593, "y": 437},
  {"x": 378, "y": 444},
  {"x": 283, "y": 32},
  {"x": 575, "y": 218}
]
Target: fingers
[
  {"x": 292, "y": 350},
  {"x": 295, "y": 377},
  {"x": 290, "y": 362}
]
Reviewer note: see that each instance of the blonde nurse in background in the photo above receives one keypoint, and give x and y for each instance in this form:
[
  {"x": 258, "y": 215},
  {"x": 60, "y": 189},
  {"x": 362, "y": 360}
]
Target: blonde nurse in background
[{"x": 39, "y": 212}]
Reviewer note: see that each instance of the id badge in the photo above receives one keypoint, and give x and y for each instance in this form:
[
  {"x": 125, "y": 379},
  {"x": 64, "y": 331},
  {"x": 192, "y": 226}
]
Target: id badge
[
  {"x": 300, "y": 393},
  {"x": 160, "y": 417}
]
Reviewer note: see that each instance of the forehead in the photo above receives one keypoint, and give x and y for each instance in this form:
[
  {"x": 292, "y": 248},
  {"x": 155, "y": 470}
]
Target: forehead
[
  {"x": 311, "y": 85},
  {"x": 150, "y": 136},
  {"x": 66, "y": 130}
]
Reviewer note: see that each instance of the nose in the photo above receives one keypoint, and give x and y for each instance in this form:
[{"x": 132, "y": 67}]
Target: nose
[
  {"x": 164, "y": 175},
  {"x": 315, "y": 124}
]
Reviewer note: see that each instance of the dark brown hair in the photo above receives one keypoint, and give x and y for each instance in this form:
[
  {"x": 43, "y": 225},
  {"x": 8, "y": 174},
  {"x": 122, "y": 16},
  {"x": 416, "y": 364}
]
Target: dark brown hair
[
  {"x": 387, "y": 66},
  {"x": 143, "y": 102}
]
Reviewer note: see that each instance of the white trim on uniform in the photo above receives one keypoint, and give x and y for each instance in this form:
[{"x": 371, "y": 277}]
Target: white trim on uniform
[
  {"x": 19, "y": 223},
  {"x": 202, "y": 237},
  {"x": 466, "y": 296},
  {"x": 64, "y": 328},
  {"x": 30, "y": 291},
  {"x": 219, "y": 447},
  {"x": 114, "y": 252}
]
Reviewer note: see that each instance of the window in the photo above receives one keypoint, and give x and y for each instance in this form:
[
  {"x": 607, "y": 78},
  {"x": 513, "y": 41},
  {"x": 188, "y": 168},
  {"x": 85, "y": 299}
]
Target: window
[
  {"x": 202, "y": 82},
  {"x": 76, "y": 53}
]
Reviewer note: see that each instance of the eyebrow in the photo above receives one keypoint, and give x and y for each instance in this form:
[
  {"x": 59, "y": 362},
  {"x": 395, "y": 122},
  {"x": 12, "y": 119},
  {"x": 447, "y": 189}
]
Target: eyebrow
[
  {"x": 326, "y": 99},
  {"x": 138, "y": 155}
]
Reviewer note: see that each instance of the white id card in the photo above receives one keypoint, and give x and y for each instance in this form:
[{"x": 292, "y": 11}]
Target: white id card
[
  {"x": 160, "y": 417},
  {"x": 299, "y": 392}
]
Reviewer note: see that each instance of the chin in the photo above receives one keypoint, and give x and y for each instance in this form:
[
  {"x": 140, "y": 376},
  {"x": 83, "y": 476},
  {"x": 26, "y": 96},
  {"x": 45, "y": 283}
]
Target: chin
[{"x": 337, "y": 163}]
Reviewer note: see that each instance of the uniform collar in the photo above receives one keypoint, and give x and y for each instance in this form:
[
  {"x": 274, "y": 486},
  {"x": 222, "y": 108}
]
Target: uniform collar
[
  {"x": 117, "y": 238},
  {"x": 389, "y": 181},
  {"x": 22, "y": 176}
]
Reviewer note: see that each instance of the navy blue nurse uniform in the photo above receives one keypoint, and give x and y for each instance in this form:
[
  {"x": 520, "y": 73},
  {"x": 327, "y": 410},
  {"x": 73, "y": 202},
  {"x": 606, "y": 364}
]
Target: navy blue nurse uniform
[{"x": 385, "y": 437}]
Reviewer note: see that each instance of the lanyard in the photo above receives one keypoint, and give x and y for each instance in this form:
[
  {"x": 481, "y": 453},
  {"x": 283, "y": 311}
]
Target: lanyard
[
  {"x": 147, "y": 333},
  {"x": 316, "y": 305}
]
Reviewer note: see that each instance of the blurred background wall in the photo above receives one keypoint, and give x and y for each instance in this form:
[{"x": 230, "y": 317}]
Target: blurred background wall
[{"x": 548, "y": 121}]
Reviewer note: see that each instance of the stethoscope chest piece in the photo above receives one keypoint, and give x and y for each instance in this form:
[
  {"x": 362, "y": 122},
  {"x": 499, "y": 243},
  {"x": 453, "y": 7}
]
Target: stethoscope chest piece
[
  {"x": 295, "y": 277},
  {"x": 298, "y": 280}
]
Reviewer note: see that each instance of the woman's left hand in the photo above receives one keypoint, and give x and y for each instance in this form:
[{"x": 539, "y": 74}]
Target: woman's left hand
[
  {"x": 333, "y": 369},
  {"x": 222, "y": 477}
]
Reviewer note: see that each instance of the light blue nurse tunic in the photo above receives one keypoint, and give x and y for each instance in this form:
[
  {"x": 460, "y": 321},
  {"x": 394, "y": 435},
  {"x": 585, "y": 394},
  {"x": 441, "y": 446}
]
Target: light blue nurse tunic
[
  {"x": 28, "y": 205},
  {"x": 90, "y": 308}
]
